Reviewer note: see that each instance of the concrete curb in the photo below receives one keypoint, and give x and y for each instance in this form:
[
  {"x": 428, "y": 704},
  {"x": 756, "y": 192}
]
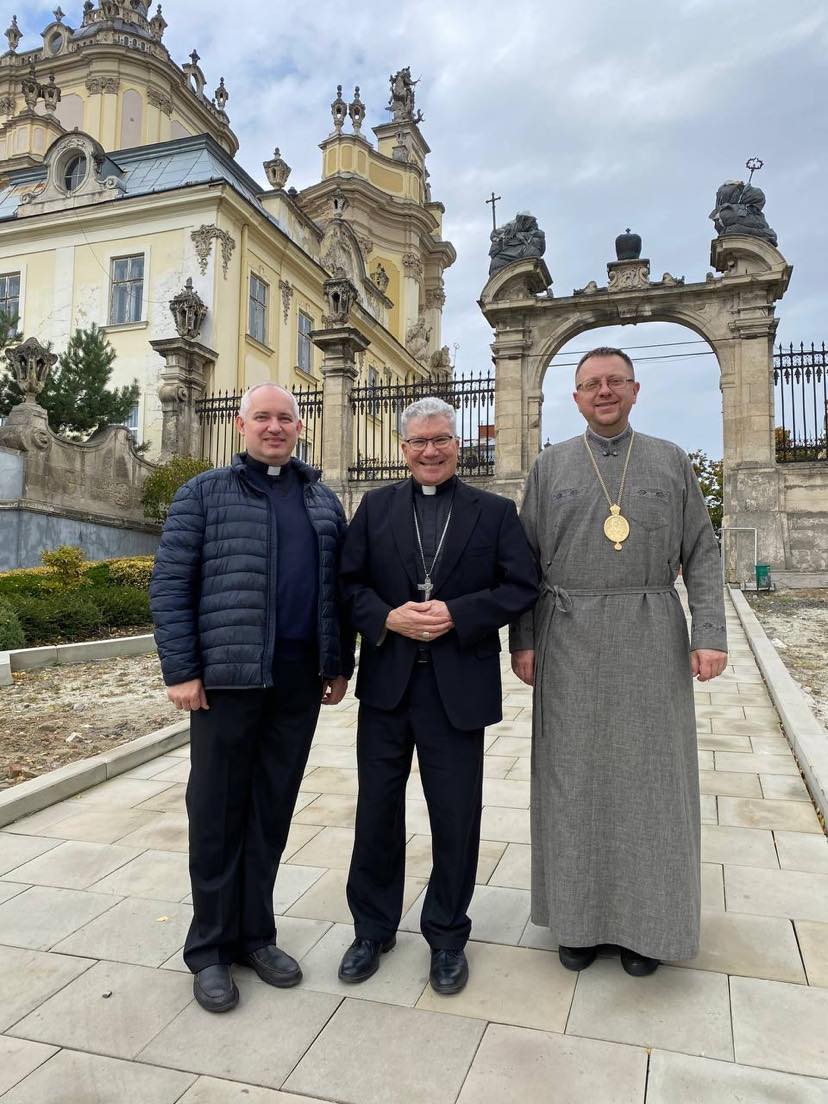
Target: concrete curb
[
  {"x": 26, "y": 659},
  {"x": 38, "y": 793},
  {"x": 805, "y": 734}
]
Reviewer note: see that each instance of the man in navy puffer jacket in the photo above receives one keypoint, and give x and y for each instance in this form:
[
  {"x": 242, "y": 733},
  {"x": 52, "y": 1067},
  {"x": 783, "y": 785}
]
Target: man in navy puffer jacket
[{"x": 252, "y": 639}]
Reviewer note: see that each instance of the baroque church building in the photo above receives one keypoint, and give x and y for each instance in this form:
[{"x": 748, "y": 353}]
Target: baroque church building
[{"x": 119, "y": 184}]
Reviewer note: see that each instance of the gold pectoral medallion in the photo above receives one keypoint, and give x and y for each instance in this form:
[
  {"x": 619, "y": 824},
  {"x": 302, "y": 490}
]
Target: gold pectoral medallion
[{"x": 616, "y": 527}]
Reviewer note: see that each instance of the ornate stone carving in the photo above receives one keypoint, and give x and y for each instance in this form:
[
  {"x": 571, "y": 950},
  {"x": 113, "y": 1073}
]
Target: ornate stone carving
[
  {"x": 30, "y": 87},
  {"x": 194, "y": 74},
  {"x": 203, "y": 240},
  {"x": 400, "y": 150},
  {"x": 340, "y": 296},
  {"x": 587, "y": 289},
  {"x": 356, "y": 110},
  {"x": 160, "y": 99},
  {"x": 286, "y": 289},
  {"x": 628, "y": 275},
  {"x": 31, "y": 363},
  {"x": 440, "y": 362},
  {"x": 413, "y": 266},
  {"x": 277, "y": 170},
  {"x": 7, "y": 105},
  {"x": 381, "y": 278},
  {"x": 59, "y": 14},
  {"x": 158, "y": 24},
  {"x": 366, "y": 244},
  {"x": 738, "y": 210},
  {"x": 401, "y": 104},
  {"x": 436, "y": 297},
  {"x": 339, "y": 202},
  {"x": 337, "y": 252},
  {"x": 98, "y": 85},
  {"x": 13, "y": 34},
  {"x": 339, "y": 110},
  {"x": 51, "y": 93},
  {"x": 516, "y": 240},
  {"x": 188, "y": 311},
  {"x": 417, "y": 339},
  {"x": 671, "y": 281},
  {"x": 221, "y": 95}
]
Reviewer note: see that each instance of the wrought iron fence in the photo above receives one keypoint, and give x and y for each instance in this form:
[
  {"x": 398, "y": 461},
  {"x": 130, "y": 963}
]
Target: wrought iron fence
[
  {"x": 220, "y": 438},
  {"x": 801, "y": 390},
  {"x": 377, "y": 429}
]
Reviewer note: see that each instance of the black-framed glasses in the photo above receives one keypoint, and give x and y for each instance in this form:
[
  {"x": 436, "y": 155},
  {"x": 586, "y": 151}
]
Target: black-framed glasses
[
  {"x": 417, "y": 444},
  {"x": 615, "y": 383}
]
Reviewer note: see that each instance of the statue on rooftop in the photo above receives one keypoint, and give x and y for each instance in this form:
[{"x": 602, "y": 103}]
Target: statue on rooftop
[
  {"x": 519, "y": 238},
  {"x": 738, "y": 210},
  {"x": 401, "y": 104}
]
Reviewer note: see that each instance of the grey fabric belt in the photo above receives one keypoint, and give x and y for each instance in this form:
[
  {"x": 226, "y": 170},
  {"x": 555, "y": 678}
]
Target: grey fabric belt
[{"x": 554, "y": 597}]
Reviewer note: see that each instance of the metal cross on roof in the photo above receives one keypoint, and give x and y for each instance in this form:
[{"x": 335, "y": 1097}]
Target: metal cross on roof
[
  {"x": 754, "y": 164},
  {"x": 493, "y": 200}
]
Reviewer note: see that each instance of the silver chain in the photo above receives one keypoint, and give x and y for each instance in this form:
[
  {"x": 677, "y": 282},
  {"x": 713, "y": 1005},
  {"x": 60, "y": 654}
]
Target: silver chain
[{"x": 428, "y": 570}]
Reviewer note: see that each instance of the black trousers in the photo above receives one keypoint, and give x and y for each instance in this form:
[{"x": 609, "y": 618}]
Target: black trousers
[
  {"x": 248, "y": 753},
  {"x": 451, "y": 770}
]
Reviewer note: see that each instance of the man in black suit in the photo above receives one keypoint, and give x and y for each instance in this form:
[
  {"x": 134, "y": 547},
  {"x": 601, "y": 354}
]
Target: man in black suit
[{"x": 431, "y": 569}]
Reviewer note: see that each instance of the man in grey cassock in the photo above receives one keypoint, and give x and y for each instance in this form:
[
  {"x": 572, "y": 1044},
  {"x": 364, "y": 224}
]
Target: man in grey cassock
[{"x": 612, "y": 517}]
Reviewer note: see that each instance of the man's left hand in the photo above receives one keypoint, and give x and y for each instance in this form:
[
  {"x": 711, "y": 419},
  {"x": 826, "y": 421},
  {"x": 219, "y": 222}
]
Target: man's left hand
[
  {"x": 333, "y": 690},
  {"x": 706, "y": 664}
]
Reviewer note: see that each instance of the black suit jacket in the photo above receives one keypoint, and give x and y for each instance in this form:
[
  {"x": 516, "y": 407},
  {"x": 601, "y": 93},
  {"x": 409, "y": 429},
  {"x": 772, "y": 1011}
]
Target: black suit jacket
[{"x": 486, "y": 575}]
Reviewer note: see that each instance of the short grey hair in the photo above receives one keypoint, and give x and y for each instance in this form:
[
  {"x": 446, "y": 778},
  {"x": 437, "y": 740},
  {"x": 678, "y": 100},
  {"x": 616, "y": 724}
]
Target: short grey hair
[
  {"x": 429, "y": 407},
  {"x": 244, "y": 405}
]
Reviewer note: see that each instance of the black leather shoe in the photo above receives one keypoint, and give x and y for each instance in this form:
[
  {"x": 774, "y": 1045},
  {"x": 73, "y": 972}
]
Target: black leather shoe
[
  {"x": 274, "y": 966},
  {"x": 577, "y": 958},
  {"x": 362, "y": 959},
  {"x": 638, "y": 965},
  {"x": 214, "y": 989},
  {"x": 449, "y": 971}
]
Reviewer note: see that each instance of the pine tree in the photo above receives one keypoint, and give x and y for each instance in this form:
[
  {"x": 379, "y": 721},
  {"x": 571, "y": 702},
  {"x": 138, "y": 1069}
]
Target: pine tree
[{"x": 76, "y": 396}]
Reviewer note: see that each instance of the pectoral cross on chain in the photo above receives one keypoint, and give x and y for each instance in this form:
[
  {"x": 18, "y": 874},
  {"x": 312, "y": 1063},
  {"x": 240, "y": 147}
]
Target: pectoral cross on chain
[{"x": 427, "y": 587}]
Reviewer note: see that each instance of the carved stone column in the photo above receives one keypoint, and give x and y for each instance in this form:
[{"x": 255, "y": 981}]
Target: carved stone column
[
  {"x": 184, "y": 376},
  {"x": 339, "y": 342}
]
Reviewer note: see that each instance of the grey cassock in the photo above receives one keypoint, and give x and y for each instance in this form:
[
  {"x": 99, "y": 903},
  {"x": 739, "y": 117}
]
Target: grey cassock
[{"x": 614, "y": 777}]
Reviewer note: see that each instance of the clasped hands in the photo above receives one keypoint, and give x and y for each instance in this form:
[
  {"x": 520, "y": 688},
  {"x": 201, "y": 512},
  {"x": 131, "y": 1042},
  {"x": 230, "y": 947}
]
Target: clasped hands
[{"x": 420, "y": 620}]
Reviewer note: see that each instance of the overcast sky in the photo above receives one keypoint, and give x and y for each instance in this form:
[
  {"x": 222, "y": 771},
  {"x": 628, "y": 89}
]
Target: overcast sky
[{"x": 593, "y": 116}]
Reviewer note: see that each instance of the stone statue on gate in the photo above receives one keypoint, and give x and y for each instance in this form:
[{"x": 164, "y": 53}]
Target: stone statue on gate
[
  {"x": 738, "y": 210},
  {"x": 517, "y": 239}
]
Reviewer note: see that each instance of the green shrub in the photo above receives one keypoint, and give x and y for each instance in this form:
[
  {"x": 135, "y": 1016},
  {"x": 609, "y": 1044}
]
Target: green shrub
[
  {"x": 160, "y": 486},
  {"x": 30, "y": 581},
  {"x": 120, "y": 605},
  {"x": 134, "y": 571},
  {"x": 67, "y": 565},
  {"x": 62, "y": 616},
  {"x": 11, "y": 631}
]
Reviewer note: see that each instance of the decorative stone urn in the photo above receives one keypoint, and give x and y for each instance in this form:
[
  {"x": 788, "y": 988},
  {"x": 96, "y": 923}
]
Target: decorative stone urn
[{"x": 628, "y": 246}]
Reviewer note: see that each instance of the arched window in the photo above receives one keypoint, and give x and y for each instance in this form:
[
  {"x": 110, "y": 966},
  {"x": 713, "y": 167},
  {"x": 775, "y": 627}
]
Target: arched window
[{"x": 74, "y": 172}]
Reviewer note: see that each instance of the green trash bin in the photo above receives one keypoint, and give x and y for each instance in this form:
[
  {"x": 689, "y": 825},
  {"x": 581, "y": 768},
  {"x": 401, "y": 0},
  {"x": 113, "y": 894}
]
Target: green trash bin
[{"x": 763, "y": 580}]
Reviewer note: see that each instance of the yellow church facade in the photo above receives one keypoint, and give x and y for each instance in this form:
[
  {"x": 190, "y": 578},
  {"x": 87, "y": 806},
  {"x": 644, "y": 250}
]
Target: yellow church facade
[{"x": 119, "y": 183}]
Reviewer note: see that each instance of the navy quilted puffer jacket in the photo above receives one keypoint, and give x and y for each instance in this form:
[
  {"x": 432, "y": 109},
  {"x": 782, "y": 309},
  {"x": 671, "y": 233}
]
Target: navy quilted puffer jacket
[{"x": 215, "y": 580}]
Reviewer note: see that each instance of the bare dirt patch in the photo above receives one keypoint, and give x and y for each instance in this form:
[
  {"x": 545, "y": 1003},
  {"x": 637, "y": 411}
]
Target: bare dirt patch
[
  {"x": 57, "y": 715},
  {"x": 796, "y": 621}
]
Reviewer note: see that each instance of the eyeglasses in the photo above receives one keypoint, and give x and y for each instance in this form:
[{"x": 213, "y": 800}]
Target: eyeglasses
[
  {"x": 615, "y": 383},
  {"x": 417, "y": 444}
]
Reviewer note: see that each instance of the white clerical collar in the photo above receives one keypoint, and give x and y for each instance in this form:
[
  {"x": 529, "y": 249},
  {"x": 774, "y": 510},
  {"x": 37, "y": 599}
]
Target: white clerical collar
[
  {"x": 428, "y": 490},
  {"x": 277, "y": 470}
]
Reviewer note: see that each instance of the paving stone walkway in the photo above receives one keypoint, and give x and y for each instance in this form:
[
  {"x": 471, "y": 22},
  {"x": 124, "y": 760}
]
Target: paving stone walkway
[{"x": 97, "y": 1006}]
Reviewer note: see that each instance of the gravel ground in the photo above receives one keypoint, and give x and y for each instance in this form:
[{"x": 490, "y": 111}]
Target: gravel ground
[
  {"x": 56, "y": 715},
  {"x": 796, "y": 622}
]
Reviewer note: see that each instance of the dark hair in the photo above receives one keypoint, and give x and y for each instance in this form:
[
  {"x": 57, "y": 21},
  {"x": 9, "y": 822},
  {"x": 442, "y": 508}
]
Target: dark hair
[{"x": 605, "y": 351}]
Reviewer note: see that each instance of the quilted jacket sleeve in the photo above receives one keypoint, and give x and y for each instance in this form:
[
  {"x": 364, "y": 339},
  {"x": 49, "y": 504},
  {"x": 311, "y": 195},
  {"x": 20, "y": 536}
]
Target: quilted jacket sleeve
[{"x": 175, "y": 587}]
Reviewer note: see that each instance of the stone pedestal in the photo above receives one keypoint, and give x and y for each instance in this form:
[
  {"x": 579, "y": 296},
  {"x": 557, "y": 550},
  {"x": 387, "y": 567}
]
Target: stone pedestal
[
  {"x": 339, "y": 345},
  {"x": 183, "y": 382}
]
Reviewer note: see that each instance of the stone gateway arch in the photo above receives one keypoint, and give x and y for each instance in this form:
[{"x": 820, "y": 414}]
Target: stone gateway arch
[{"x": 733, "y": 309}]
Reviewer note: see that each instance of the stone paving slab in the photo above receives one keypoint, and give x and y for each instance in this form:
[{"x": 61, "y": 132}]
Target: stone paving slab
[{"x": 94, "y": 899}]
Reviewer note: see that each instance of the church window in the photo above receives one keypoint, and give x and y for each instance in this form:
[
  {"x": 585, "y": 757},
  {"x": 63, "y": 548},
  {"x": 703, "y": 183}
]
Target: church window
[
  {"x": 55, "y": 43},
  {"x": 127, "y": 290},
  {"x": 10, "y": 300},
  {"x": 257, "y": 309},
  {"x": 304, "y": 352},
  {"x": 132, "y": 423},
  {"x": 74, "y": 172}
]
